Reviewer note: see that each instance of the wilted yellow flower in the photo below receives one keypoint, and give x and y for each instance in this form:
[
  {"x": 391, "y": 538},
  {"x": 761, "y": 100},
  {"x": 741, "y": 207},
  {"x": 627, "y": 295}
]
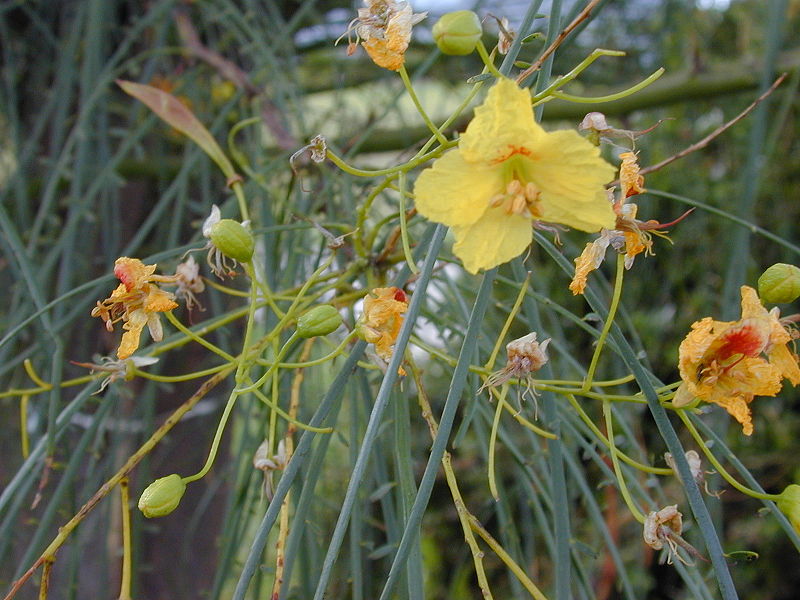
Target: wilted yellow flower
[
  {"x": 507, "y": 175},
  {"x": 629, "y": 236},
  {"x": 137, "y": 302},
  {"x": 384, "y": 29},
  {"x": 729, "y": 363},
  {"x": 383, "y": 316},
  {"x": 664, "y": 527}
]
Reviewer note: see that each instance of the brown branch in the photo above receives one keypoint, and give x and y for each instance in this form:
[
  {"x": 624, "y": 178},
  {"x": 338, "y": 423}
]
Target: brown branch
[
  {"x": 48, "y": 556},
  {"x": 717, "y": 132},
  {"x": 584, "y": 14},
  {"x": 230, "y": 71}
]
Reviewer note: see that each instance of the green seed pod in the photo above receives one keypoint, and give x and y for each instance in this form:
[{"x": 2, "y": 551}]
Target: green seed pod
[
  {"x": 458, "y": 32},
  {"x": 162, "y": 496},
  {"x": 320, "y": 320},
  {"x": 789, "y": 505},
  {"x": 233, "y": 240},
  {"x": 779, "y": 284}
]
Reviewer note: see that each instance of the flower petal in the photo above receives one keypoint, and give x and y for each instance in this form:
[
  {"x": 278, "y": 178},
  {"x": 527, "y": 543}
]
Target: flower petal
[
  {"x": 502, "y": 125},
  {"x": 786, "y": 362},
  {"x": 133, "y": 330},
  {"x": 495, "y": 239},
  {"x": 455, "y": 192},
  {"x": 570, "y": 174}
]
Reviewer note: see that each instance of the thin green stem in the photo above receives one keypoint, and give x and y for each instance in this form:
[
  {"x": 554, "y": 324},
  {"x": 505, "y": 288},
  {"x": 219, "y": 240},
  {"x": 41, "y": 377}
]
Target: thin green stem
[
  {"x": 623, "y": 488},
  {"x": 487, "y": 60},
  {"x": 418, "y": 105},
  {"x": 718, "y": 466},
  {"x": 493, "y": 443},
  {"x": 200, "y": 340},
  {"x": 587, "y": 382},
  {"x": 401, "y": 182}
]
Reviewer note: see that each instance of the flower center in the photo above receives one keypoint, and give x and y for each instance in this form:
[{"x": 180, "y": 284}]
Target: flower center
[{"x": 518, "y": 199}]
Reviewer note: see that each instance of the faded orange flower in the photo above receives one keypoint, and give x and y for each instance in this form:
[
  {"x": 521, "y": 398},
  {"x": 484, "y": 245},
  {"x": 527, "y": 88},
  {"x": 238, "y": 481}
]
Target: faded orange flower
[
  {"x": 383, "y": 316},
  {"x": 630, "y": 236},
  {"x": 384, "y": 29},
  {"x": 137, "y": 301},
  {"x": 729, "y": 363}
]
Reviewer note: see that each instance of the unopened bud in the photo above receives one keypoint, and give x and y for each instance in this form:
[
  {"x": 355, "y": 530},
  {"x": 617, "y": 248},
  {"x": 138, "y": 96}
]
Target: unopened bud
[
  {"x": 457, "y": 33},
  {"x": 779, "y": 284},
  {"x": 162, "y": 496},
  {"x": 789, "y": 505},
  {"x": 320, "y": 320},
  {"x": 233, "y": 240}
]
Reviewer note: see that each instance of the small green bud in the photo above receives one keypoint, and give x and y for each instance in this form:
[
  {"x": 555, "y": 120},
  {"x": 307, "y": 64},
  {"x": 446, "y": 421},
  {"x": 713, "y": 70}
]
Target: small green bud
[
  {"x": 233, "y": 240},
  {"x": 162, "y": 496},
  {"x": 789, "y": 505},
  {"x": 457, "y": 32},
  {"x": 779, "y": 284},
  {"x": 320, "y": 320}
]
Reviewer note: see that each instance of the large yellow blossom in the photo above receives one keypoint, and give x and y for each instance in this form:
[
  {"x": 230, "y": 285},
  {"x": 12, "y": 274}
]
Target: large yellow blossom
[
  {"x": 137, "y": 301},
  {"x": 729, "y": 363},
  {"x": 507, "y": 174}
]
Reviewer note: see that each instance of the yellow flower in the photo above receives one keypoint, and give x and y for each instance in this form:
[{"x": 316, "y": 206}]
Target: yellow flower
[
  {"x": 136, "y": 301},
  {"x": 384, "y": 28},
  {"x": 509, "y": 174},
  {"x": 729, "y": 363},
  {"x": 382, "y": 319}
]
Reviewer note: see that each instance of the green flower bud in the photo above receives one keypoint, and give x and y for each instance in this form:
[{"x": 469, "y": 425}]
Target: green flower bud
[
  {"x": 320, "y": 320},
  {"x": 780, "y": 283},
  {"x": 457, "y": 32},
  {"x": 162, "y": 496},
  {"x": 789, "y": 505},
  {"x": 233, "y": 240}
]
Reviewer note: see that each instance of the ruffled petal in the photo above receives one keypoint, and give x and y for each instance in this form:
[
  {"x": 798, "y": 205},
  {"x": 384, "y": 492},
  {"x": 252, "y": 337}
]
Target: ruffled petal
[
  {"x": 137, "y": 319},
  {"x": 495, "y": 239},
  {"x": 589, "y": 260},
  {"x": 786, "y": 362},
  {"x": 132, "y": 272},
  {"x": 571, "y": 176},
  {"x": 503, "y": 125},
  {"x": 455, "y": 192},
  {"x": 158, "y": 300}
]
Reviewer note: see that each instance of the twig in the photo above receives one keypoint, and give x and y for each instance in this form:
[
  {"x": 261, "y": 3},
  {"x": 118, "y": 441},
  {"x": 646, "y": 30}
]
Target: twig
[
  {"x": 584, "y": 14},
  {"x": 294, "y": 403},
  {"x": 48, "y": 556},
  {"x": 717, "y": 132},
  {"x": 231, "y": 72}
]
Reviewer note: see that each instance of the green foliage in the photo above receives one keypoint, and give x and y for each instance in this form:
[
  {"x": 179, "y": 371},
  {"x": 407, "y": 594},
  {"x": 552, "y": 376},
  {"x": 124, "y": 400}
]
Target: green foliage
[{"x": 386, "y": 477}]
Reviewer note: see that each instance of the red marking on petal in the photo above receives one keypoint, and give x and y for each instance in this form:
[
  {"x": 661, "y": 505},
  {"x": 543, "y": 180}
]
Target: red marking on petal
[
  {"x": 125, "y": 276},
  {"x": 512, "y": 151},
  {"x": 745, "y": 339},
  {"x": 400, "y": 296}
]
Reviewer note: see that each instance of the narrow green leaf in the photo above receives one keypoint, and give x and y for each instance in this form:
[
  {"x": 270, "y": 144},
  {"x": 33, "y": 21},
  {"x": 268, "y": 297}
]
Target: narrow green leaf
[{"x": 178, "y": 115}]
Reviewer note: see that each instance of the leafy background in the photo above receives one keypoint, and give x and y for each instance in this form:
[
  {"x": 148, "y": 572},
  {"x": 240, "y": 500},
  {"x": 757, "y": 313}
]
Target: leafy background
[{"x": 88, "y": 175}]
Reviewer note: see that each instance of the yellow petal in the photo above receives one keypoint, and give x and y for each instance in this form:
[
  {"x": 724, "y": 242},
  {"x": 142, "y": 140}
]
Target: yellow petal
[
  {"x": 133, "y": 331},
  {"x": 571, "y": 176},
  {"x": 455, "y": 192},
  {"x": 493, "y": 240},
  {"x": 786, "y": 362},
  {"x": 158, "y": 300},
  {"x": 737, "y": 407},
  {"x": 132, "y": 272},
  {"x": 589, "y": 260},
  {"x": 502, "y": 124}
]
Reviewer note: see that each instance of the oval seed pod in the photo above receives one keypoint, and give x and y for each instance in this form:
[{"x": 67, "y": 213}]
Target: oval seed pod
[
  {"x": 320, "y": 320},
  {"x": 233, "y": 240},
  {"x": 162, "y": 496},
  {"x": 789, "y": 505},
  {"x": 457, "y": 33},
  {"x": 780, "y": 283}
]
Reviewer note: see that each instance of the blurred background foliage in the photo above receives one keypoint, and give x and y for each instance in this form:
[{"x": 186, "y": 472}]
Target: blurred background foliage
[{"x": 88, "y": 175}]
